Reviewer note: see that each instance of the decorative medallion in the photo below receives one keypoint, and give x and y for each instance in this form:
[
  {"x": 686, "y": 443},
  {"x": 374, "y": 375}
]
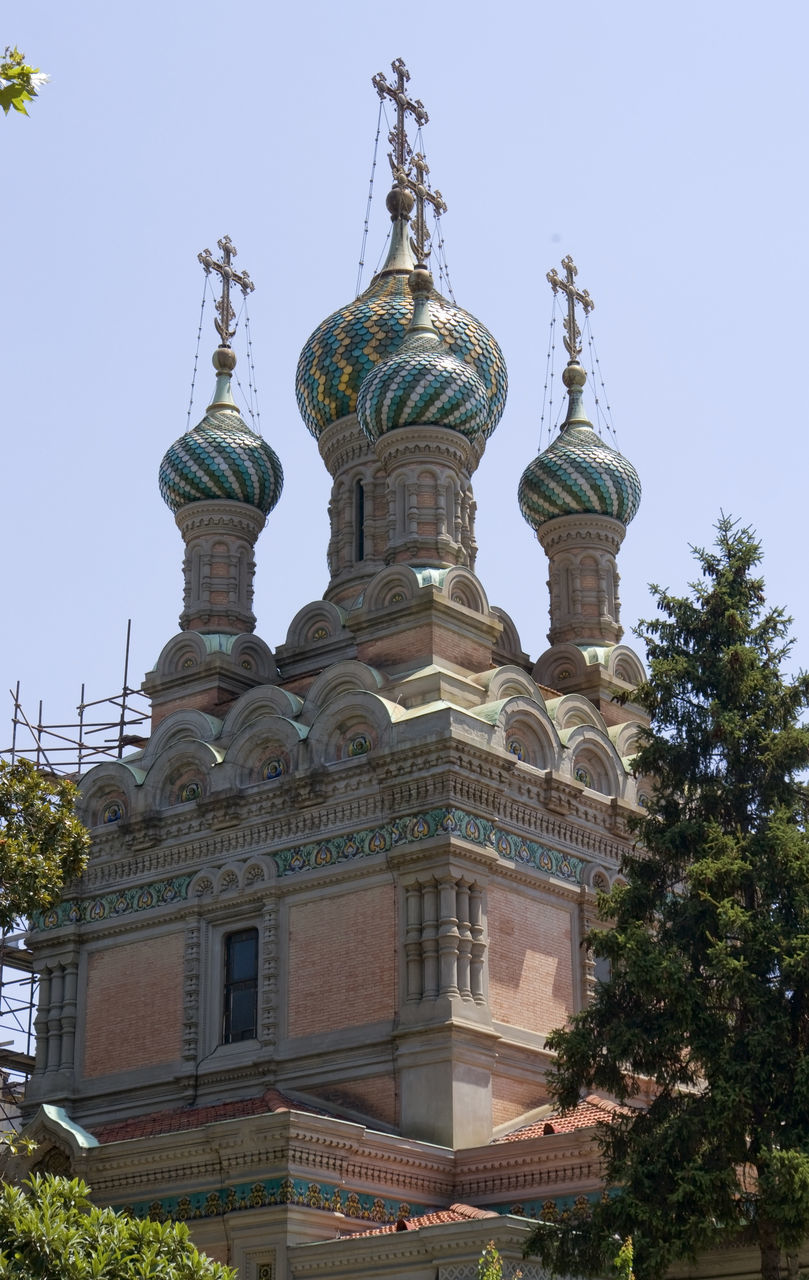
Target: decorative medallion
[{"x": 274, "y": 768}]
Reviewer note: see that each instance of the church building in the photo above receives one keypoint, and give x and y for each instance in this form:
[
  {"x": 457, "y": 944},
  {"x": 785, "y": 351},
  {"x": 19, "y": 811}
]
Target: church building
[{"x": 338, "y": 900}]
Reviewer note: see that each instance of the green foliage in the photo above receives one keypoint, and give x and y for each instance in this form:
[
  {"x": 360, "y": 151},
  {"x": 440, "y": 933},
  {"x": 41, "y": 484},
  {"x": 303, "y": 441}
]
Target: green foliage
[
  {"x": 490, "y": 1264},
  {"x": 19, "y": 83},
  {"x": 42, "y": 842},
  {"x": 708, "y": 946},
  {"x": 49, "y": 1230}
]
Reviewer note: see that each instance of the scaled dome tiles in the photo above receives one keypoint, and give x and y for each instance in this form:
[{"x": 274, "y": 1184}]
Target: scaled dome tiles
[
  {"x": 423, "y": 383},
  {"x": 345, "y": 348},
  {"x": 221, "y": 458},
  {"x": 579, "y": 474}
]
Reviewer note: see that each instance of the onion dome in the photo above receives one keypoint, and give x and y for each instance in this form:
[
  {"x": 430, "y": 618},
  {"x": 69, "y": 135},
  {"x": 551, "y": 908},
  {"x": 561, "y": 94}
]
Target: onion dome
[
  {"x": 578, "y": 473},
  {"x": 344, "y": 349},
  {"x": 422, "y": 383},
  {"x": 221, "y": 457}
]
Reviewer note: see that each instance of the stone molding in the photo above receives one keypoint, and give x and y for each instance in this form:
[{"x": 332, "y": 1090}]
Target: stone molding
[{"x": 343, "y": 443}]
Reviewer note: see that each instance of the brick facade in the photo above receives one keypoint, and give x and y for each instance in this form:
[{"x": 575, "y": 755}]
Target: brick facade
[{"x": 133, "y": 1006}]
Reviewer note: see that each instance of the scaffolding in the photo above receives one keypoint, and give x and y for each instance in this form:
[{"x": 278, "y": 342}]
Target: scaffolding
[
  {"x": 18, "y": 991},
  {"x": 103, "y": 730}
]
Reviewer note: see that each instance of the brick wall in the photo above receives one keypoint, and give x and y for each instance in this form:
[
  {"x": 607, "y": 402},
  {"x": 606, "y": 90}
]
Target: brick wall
[
  {"x": 512, "y": 1098},
  {"x": 530, "y": 964},
  {"x": 133, "y": 1009},
  {"x": 375, "y": 1097},
  {"x": 342, "y": 961},
  {"x": 426, "y": 642}
]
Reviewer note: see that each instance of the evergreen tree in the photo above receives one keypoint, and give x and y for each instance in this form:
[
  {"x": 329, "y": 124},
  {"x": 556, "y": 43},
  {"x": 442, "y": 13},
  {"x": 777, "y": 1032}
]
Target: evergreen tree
[{"x": 703, "y": 1028}]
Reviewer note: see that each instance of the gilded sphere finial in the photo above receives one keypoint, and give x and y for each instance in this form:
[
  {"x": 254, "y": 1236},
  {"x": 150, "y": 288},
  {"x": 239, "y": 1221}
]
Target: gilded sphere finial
[
  {"x": 399, "y": 202},
  {"x": 573, "y": 375},
  {"x": 420, "y": 280},
  {"x": 224, "y": 359}
]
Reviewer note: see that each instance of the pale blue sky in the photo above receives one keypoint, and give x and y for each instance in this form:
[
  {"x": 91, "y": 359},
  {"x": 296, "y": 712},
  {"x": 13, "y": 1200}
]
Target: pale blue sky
[{"x": 663, "y": 145}]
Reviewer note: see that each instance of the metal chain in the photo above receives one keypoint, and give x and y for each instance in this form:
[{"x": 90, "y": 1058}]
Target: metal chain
[
  {"x": 370, "y": 198},
  {"x": 196, "y": 356}
]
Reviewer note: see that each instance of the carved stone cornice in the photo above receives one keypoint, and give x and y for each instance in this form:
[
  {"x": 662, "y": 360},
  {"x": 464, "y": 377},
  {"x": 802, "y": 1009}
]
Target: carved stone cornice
[
  {"x": 586, "y": 527},
  {"x": 451, "y": 772},
  {"x": 344, "y": 442},
  {"x": 220, "y": 515},
  {"x": 428, "y": 444}
]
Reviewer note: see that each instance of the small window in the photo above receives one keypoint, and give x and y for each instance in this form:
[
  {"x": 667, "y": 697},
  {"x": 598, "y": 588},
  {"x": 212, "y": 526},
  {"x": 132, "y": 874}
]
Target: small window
[
  {"x": 359, "y": 520},
  {"x": 241, "y": 986}
]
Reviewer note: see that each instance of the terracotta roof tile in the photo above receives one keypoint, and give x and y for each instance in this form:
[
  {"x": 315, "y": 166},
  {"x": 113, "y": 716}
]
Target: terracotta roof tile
[
  {"x": 195, "y": 1117},
  {"x": 455, "y": 1213},
  {"x": 589, "y": 1112}
]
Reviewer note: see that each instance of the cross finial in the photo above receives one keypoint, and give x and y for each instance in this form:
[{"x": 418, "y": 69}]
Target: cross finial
[
  {"x": 424, "y": 196},
  {"x": 574, "y": 295},
  {"x": 224, "y": 269},
  {"x": 404, "y": 106}
]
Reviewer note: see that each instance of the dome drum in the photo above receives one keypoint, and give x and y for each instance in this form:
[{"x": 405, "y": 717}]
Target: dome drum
[
  {"x": 219, "y": 566},
  {"x": 431, "y": 507}
]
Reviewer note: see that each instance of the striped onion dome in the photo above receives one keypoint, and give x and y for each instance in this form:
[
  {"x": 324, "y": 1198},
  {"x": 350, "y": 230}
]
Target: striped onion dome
[
  {"x": 221, "y": 457},
  {"x": 343, "y": 350},
  {"x": 578, "y": 473},
  {"x": 422, "y": 383}
]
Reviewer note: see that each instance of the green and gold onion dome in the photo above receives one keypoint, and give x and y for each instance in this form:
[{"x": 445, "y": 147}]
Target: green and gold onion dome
[
  {"x": 343, "y": 350},
  {"x": 578, "y": 473},
  {"x": 422, "y": 382},
  {"x": 221, "y": 457}
]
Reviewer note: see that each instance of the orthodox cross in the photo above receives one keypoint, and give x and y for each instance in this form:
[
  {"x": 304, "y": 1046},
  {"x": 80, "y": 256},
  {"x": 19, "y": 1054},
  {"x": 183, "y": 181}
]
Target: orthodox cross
[
  {"x": 226, "y": 313},
  {"x": 574, "y": 295},
  {"x": 423, "y": 196},
  {"x": 404, "y": 106}
]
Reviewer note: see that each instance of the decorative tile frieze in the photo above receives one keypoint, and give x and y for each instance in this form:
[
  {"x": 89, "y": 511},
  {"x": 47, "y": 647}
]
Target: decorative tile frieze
[
  {"x": 318, "y": 854},
  {"x": 158, "y": 893},
  {"x": 274, "y": 1191},
  {"x": 550, "y": 1208}
]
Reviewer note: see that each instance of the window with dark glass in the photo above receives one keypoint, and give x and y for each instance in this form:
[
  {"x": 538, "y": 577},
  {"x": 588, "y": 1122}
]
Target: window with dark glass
[
  {"x": 359, "y": 520},
  {"x": 241, "y": 986}
]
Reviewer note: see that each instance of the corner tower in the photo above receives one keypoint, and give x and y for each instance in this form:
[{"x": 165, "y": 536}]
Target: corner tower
[
  {"x": 578, "y": 496},
  {"x": 220, "y": 481}
]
